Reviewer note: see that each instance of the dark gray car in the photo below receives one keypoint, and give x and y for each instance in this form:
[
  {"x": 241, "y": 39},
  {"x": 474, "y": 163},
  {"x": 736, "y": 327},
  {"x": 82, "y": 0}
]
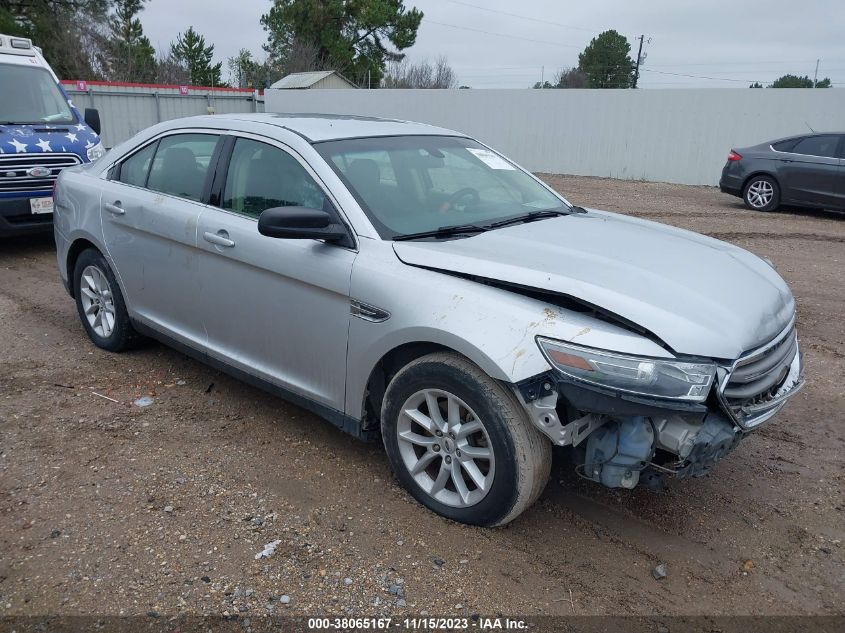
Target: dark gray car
[{"x": 803, "y": 171}]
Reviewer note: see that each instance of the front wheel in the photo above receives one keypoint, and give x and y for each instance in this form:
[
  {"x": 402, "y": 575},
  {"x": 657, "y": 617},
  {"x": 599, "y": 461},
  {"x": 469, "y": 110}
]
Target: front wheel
[
  {"x": 761, "y": 193},
  {"x": 460, "y": 443}
]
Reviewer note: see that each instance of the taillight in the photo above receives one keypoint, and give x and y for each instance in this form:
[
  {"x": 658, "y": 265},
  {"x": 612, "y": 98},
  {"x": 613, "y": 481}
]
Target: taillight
[{"x": 733, "y": 156}]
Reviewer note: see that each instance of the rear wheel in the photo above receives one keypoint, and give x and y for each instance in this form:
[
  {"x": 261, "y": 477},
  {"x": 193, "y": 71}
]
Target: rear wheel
[
  {"x": 100, "y": 303},
  {"x": 460, "y": 443},
  {"x": 761, "y": 193}
]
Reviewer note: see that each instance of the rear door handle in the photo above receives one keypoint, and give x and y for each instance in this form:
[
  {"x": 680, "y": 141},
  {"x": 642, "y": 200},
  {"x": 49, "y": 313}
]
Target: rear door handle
[
  {"x": 786, "y": 160},
  {"x": 221, "y": 238},
  {"x": 114, "y": 208}
]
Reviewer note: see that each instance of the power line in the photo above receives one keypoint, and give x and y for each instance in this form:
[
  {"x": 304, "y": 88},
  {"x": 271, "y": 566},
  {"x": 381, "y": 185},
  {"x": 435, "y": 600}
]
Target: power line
[
  {"x": 745, "y": 63},
  {"x": 513, "y": 37},
  {"x": 521, "y": 17},
  {"x": 661, "y": 72}
]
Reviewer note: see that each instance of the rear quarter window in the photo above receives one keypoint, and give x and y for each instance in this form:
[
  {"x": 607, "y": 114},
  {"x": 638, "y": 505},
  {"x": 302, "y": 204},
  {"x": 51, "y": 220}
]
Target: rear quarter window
[{"x": 787, "y": 145}]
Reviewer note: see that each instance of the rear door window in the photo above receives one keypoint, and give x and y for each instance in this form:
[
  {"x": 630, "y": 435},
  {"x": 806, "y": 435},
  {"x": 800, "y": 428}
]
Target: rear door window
[
  {"x": 181, "y": 164},
  {"x": 824, "y": 146},
  {"x": 134, "y": 169}
]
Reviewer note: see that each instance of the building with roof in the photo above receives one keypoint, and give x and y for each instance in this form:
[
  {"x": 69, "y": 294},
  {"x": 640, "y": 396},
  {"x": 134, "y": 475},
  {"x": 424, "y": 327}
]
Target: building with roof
[{"x": 313, "y": 80}]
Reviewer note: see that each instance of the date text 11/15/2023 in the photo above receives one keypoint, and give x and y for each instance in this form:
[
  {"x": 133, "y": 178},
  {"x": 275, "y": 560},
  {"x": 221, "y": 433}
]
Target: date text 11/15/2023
[{"x": 418, "y": 623}]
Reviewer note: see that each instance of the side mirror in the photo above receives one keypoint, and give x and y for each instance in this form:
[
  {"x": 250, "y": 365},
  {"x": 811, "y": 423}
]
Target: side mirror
[
  {"x": 92, "y": 119},
  {"x": 299, "y": 223}
]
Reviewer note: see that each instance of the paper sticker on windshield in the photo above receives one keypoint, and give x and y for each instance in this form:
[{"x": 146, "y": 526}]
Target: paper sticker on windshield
[{"x": 493, "y": 161}]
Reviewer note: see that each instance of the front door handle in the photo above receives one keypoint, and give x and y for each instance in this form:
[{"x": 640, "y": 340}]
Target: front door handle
[
  {"x": 114, "y": 208},
  {"x": 786, "y": 160},
  {"x": 221, "y": 238}
]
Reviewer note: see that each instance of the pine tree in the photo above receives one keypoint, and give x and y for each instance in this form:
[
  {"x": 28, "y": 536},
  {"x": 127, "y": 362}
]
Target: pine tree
[
  {"x": 190, "y": 50},
  {"x": 131, "y": 57}
]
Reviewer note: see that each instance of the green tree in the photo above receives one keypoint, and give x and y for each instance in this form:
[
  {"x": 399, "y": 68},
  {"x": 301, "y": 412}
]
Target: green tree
[
  {"x": 67, "y": 31},
  {"x": 131, "y": 57},
  {"x": 245, "y": 72},
  {"x": 756, "y": 84},
  {"x": 351, "y": 36},
  {"x": 794, "y": 81},
  {"x": 606, "y": 61},
  {"x": 191, "y": 50}
]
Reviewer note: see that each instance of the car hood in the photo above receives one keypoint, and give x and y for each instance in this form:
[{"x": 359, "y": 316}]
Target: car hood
[
  {"x": 699, "y": 295},
  {"x": 45, "y": 138}
]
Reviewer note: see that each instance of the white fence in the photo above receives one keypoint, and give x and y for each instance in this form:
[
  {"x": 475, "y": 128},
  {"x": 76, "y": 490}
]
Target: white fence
[
  {"x": 680, "y": 136},
  {"x": 127, "y": 109}
]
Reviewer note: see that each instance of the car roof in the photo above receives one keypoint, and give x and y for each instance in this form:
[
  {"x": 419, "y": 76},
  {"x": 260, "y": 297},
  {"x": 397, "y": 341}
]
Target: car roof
[
  {"x": 315, "y": 127},
  {"x": 804, "y": 135}
]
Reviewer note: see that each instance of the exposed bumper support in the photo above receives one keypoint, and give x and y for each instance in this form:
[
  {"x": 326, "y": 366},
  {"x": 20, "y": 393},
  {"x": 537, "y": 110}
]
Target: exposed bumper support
[{"x": 624, "y": 438}]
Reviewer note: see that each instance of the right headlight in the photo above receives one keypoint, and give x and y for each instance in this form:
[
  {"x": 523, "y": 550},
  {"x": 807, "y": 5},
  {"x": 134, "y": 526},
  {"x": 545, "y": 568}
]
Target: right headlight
[
  {"x": 661, "y": 378},
  {"x": 95, "y": 152}
]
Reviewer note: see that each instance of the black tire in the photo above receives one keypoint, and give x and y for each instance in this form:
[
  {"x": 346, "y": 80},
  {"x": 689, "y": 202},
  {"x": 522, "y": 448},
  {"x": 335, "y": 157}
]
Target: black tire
[
  {"x": 522, "y": 454},
  {"x": 122, "y": 335},
  {"x": 756, "y": 190}
]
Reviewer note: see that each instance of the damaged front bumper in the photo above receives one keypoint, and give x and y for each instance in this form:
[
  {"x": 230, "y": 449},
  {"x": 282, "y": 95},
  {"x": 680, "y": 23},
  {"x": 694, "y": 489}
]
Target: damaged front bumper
[{"x": 624, "y": 439}]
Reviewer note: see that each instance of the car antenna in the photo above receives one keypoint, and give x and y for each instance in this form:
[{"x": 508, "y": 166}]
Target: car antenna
[{"x": 808, "y": 125}]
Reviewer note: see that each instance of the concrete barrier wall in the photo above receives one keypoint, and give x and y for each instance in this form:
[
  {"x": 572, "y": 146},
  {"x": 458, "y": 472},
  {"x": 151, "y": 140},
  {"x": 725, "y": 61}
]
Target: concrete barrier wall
[{"x": 680, "y": 136}]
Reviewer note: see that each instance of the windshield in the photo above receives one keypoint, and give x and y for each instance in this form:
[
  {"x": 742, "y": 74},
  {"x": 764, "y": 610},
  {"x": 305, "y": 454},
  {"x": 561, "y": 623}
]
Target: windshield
[
  {"x": 413, "y": 184},
  {"x": 30, "y": 95}
]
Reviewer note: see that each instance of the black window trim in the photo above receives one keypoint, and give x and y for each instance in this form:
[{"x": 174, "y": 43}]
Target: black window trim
[{"x": 212, "y": 189}]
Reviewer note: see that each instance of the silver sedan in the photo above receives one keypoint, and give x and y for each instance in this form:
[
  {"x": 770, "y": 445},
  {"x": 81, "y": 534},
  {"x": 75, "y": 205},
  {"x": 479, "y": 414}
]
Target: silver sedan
[{"x": 410, "y": 283}]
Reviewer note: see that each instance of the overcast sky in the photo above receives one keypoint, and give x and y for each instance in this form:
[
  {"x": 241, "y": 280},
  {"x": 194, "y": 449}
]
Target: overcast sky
[{"x": 507, "y": 44}]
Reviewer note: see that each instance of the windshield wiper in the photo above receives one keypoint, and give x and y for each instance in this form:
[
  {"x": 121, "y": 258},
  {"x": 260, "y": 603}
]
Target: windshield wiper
[
  {"x": 533, "y": 215},
  {"x": 443, "y": 231}
]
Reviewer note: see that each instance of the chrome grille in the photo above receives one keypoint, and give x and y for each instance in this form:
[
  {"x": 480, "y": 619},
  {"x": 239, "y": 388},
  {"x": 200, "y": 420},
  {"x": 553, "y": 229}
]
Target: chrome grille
[
  {"x": 761, "y": 380},
  {"x": 14, "y": 167}
]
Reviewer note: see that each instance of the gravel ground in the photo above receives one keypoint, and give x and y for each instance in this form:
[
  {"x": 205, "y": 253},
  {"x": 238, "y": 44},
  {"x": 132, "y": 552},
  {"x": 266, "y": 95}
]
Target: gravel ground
[{"x": 108, "y": 508}]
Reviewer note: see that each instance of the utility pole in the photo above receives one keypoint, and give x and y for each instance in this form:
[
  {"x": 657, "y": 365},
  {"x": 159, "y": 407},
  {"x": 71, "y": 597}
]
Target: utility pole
[
  {"x": 639, "y": 59},
  {"x": 542, "y": 76},
  {"x": 816, "y": 75}
]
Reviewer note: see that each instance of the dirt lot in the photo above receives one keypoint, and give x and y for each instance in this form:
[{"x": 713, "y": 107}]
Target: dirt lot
[{"x": 108, "y": 508}]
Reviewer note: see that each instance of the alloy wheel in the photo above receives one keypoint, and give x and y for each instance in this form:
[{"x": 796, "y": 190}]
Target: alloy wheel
[
  {"x": 760, "y": 194},
  {"x": 97, "y": 301},
  {"x": 445, "y": 448}
]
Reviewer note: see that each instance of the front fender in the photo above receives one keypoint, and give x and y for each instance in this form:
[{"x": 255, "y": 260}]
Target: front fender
[{"x": 493, "y": 327}]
